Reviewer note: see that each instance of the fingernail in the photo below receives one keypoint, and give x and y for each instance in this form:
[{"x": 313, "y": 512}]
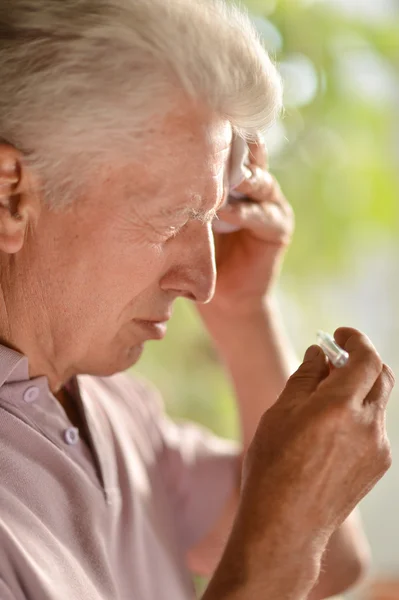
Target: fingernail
[{"x": 312, "y": 352}]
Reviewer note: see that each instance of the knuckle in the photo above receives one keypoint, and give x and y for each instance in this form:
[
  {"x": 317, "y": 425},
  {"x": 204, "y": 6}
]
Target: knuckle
[
  {"x": 389, "y": 376},
  {"x": 258, "y": 173},
  {"x": 378, "y": 440},
  {"x": 304, "y": 374},
  {"x": 382, "y": 400},
  {"x": 356, "y": 340},
  {"x": 386, "y": 456},
  {"x": 373, "y": 359},
  {"x": 375, "y": 429}
]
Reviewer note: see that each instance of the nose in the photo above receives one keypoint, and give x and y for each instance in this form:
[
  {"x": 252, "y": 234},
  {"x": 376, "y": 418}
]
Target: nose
[{"x": 192, "y": 267}]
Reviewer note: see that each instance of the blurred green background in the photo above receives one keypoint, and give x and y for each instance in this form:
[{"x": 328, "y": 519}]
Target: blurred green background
[{"x": 335, "y": 152}]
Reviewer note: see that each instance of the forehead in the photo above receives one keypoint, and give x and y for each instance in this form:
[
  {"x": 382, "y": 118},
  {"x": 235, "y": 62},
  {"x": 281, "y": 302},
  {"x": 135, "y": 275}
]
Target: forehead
[
  {"x": 192, "y": 139},
  {"x": 182, "y": 163},
  {"x": 190, "y": 155}
]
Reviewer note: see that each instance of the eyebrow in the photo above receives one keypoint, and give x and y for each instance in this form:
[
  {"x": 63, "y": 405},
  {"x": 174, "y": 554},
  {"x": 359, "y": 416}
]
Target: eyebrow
[
  {"x": 202, "y": 215},
  {"x": 206, "y": 215},
  {"x": 194, "y": 213}
]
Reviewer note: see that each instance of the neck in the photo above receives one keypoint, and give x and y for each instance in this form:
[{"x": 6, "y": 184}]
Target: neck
[
  {"x": 23, "y": 327},
  {"x": 69, "y": 405}
]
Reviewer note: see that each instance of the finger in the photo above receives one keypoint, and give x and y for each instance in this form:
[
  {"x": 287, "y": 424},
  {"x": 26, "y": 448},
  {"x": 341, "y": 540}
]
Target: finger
[
  {"x": 259, "y": 185},
  {"x": 313, "y": 370},
  {"x": 343, "y": 335},
  {"x": 356, "y": 379},
  {"x": 380, "y": 392},
  {"x": 266, "y": 220},
  {"x": 8, "y": 180}
]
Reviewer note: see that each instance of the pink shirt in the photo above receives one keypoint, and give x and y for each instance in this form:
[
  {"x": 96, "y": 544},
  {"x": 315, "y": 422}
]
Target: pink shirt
[{"x": 108, "y": 523}]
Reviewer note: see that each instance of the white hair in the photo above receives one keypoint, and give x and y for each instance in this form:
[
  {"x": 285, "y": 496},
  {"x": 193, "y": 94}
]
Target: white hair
[{"x": 79, "y": 77}]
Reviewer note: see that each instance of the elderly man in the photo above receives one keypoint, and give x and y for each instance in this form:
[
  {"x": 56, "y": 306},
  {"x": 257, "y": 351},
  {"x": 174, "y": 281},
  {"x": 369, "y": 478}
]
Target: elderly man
[{"x": 117, "y": 119}]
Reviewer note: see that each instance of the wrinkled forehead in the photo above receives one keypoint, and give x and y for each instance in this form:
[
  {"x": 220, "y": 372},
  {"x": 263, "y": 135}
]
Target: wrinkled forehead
[
  {"x": 193, "y": 156},
  {"x": 184, "y": 158},
  {"x": 211, "y": 159}
]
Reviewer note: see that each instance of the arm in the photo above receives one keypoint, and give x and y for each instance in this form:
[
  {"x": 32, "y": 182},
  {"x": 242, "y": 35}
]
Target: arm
[
  {"x": 247, "y": 330},
  {"x": 259, "y": 358},
  {"x": 293, "y": 499},
  {"x": 288, "y": 570}
]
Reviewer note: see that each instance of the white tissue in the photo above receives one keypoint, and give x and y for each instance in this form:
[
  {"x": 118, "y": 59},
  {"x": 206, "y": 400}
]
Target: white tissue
[
  {"x": 238, "y": 158},
  {"x": 220, "y": 226}
]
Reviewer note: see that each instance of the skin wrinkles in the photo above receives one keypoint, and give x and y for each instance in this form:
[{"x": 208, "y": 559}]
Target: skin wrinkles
[
  {"x": 136, "y": 242},
  {"x": 80, "y": 286}
]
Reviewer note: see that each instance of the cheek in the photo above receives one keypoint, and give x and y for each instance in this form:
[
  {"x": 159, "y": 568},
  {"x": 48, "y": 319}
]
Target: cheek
[
  {"x": 117, "y": 259},
  {"x": 127, "y": 270}
]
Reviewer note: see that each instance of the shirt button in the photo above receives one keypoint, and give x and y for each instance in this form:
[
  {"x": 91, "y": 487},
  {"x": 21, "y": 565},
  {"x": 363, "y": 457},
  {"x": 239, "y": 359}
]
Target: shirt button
[
  {"x": 71, "y": 435},
  {"x": 31, "y": 394}
]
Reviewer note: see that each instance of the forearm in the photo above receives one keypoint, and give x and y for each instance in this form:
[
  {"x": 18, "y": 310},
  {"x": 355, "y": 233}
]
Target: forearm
[
  {"x": 279, "y": 567},
  {"x": 259, "y": 358},
  {"x": 288, "y": 586},
  {"x": 289, "y": 577}
]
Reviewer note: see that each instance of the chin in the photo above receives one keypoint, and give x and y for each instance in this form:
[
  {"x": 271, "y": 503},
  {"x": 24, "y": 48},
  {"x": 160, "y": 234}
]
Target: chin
[{"x": 115, "y": 362}]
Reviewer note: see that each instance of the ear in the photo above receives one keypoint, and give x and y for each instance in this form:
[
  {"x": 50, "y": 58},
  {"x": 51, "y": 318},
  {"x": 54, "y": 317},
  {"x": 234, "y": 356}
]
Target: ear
[{"x": 19, "y": 205}]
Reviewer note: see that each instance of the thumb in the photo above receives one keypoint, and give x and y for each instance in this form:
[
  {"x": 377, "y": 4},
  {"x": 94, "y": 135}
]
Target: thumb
[{"x": 311, "y": 372}]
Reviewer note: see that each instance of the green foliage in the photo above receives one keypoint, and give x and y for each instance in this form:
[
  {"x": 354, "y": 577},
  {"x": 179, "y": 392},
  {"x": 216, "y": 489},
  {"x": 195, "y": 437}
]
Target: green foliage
[{"x": 339, "y": 167}]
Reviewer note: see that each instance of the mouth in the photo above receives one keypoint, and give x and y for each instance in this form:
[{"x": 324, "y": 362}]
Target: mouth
[{"x": 154, "y": 330}]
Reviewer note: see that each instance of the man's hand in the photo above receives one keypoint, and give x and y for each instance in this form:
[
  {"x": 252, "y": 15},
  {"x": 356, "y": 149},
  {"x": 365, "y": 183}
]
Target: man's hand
[
  {"x": 249, "y": 259},
  {"x": 315, "y": 455},
  {"x": 323, "y": 445}
]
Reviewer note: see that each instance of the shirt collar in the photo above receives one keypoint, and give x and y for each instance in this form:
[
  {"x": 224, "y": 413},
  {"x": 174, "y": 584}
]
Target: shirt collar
[{"x": 14, "y": 367}]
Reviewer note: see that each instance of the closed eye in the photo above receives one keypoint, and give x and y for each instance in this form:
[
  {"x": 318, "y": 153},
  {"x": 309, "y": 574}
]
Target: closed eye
[{"x": 194, "y": 215}]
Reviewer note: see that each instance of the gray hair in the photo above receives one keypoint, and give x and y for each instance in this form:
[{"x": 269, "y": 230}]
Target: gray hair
[{"x": 80, "y": 77}]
